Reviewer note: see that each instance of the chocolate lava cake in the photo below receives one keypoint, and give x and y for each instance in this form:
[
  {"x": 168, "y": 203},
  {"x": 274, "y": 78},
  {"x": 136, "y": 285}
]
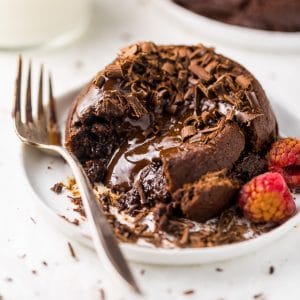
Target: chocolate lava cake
[
  {"x": 275, "y": 15},
  {"x": 173, "y": 129}
]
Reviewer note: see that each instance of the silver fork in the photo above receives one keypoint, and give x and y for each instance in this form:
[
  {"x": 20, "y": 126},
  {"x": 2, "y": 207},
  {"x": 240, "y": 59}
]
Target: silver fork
[{"x": 43, "y": 132}]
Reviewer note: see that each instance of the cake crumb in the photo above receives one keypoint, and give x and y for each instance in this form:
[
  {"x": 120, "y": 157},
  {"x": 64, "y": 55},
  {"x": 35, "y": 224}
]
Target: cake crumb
[
  {"x": 45, "y": 263},
  {"x": 34, "y": 272},
  {"x": 74, "y": 221},
  {"x": 72, "y": 252},
  {"x": 102, "y": 294},
  {"x": 188, "y": 292},
  {"x": 271, "y": 270},
  {"x": 57, "y": 187},
  {"x": 219, "y": 270}
]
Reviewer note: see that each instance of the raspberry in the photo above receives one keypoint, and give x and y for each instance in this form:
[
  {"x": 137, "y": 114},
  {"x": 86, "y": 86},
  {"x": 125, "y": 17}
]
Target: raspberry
[
  {"x": 266, "y": 198},
  {"x": 284, "y": 158}
]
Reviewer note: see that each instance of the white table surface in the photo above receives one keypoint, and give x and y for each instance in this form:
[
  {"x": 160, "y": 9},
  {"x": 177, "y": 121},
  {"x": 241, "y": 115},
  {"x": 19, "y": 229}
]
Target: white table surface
[{"x": 26, "y": 240}]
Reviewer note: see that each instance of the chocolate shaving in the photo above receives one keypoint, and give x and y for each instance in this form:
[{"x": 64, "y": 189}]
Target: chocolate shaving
[
  {"x": 271, "y": 270},
  {"x": 168, "y": 67},
  {"x": 199, "y": 72},
  {"x": 113, "y": 71},
  {"x": 196, "y": 138},
  {"x": 141, "y": 192},
  {"x": 129, "y": 51},
  {"x": 137, "y": 106},
  {"x": 148, "y": 47},
  {"x": 210, "y": 68},
  {"x": 99, "y": 81},
  {"x": 188, "y": 292},
  {"x": 203, "y": 89},
  {"x": 245, "y": 117},
  {"x": 185, "y": 236},
  {"x": 243, "y": 81},
  {"x": 57, "y": 187},
  {"x": 187, "y": 132},
  {"x": 251, "y": 97},
  {"x": 71, "y": 249}
]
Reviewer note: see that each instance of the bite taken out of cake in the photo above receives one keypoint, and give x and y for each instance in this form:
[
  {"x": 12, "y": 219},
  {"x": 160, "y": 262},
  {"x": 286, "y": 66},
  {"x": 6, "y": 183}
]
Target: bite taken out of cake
[{"x": 177, "y": 130}]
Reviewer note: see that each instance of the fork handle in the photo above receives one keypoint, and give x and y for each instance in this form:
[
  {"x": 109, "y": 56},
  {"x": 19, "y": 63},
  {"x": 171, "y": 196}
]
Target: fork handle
[{"x": 103, "y": 237}]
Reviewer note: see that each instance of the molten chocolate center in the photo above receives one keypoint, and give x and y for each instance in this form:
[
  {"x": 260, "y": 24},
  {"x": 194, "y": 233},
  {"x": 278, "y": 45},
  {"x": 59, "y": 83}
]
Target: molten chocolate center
[{"x": 149, "y": 142}]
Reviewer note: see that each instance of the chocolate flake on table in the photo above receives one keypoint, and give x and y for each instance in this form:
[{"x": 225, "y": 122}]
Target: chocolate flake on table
[
  {"x": 72, "y": 252},
  {"x": 102, "y": 294},
  {"x": 259, "y": 296},
  {"x": 34, "y": 272},
  {"x": 33, "y": 220},
  {"x": 188, "y": 292},
  {"x": 219, "y": 270},
  {"x": 45, "y": 263},
  {"x": 271, "y": 270}
]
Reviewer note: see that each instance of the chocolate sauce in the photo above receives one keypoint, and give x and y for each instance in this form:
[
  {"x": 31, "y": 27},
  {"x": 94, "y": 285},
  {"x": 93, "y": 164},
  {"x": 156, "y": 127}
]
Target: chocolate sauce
[{"x": 139, "y": 151}]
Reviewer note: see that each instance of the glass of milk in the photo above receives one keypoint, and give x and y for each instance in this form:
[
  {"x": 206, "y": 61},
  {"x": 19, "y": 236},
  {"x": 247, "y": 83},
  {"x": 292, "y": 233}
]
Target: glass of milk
[{"x": 31, "y": 23}]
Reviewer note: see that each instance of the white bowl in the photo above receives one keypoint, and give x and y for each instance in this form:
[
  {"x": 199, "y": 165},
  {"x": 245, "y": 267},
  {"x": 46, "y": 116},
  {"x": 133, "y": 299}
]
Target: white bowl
[{"x": 231, "y": 34}]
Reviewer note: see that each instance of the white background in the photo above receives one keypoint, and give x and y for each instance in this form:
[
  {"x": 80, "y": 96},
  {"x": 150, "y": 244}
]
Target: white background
[{"x": 24, "y": 244}]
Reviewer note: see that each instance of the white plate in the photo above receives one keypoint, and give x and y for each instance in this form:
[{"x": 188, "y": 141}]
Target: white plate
[
  {"x": 40, "y": 178},
  {"x": 231, "y": 34}
]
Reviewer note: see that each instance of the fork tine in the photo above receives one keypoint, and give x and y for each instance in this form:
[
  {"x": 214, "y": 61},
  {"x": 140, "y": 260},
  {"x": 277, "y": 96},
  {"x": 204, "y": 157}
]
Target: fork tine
[
  {"x": 17, "y": 99},
  {"x": 53, "y": 129},
  {"x": 28, "y": 115},
  {"x": 40, "y": 96}
]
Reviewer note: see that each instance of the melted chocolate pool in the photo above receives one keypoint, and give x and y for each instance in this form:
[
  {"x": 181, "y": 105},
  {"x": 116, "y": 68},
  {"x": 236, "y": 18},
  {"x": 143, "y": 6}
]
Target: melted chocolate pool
[{"x": 150, "y": 142}]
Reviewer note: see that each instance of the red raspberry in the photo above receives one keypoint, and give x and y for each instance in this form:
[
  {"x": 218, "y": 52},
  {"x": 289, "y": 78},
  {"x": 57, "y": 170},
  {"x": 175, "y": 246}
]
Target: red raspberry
[
  {"x": 284, "y": 158},
  {"x": 266, "y": 198}
]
